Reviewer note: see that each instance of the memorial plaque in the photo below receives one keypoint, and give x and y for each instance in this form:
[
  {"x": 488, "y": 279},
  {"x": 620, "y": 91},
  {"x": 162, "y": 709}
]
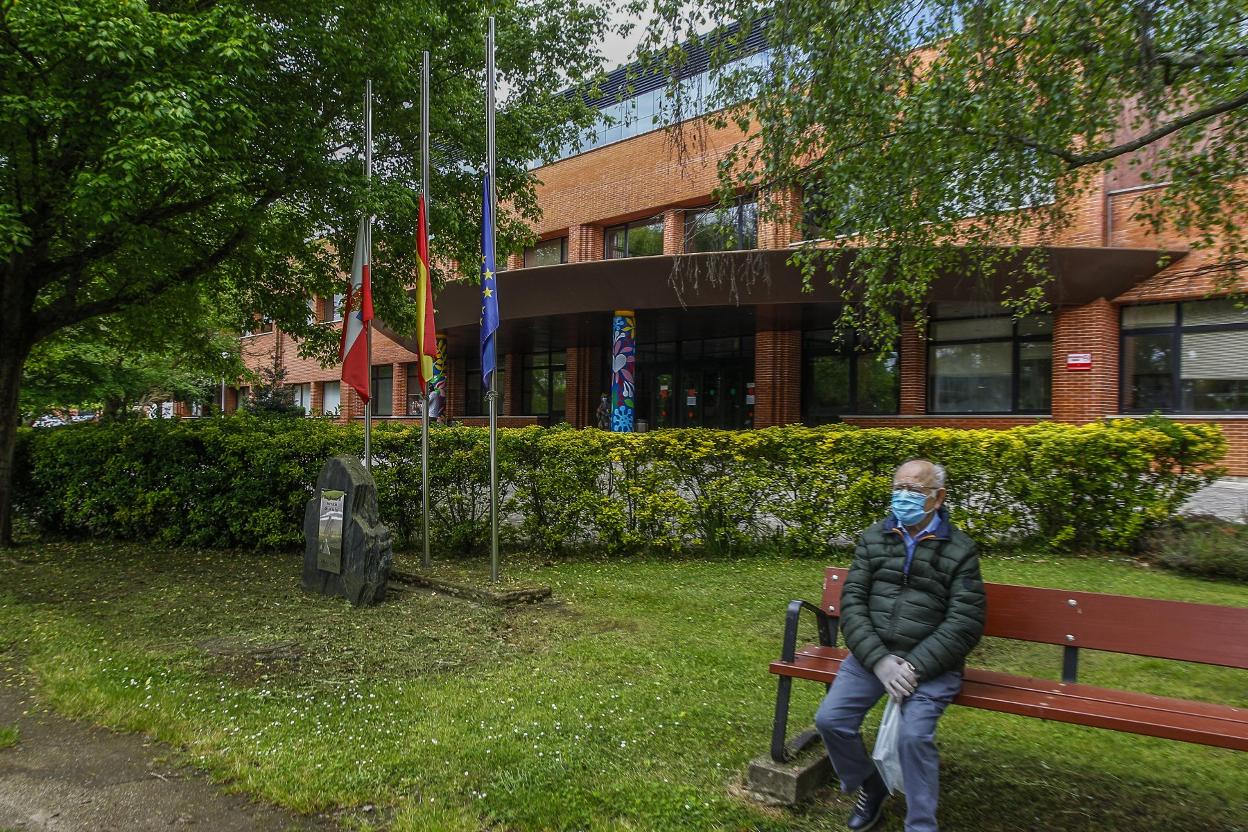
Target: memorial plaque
[
  {"x": 347, "y": 549},
  {"x": 329, "y": 533}
]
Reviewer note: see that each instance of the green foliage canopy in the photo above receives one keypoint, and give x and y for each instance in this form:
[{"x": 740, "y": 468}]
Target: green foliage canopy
[
  {"x": 919, "y": 130},
  {"x": 150, "y": 146}
]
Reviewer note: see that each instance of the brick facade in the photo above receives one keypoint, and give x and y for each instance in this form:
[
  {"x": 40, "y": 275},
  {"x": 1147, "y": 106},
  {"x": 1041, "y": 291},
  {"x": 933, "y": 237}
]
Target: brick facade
[
  {"x": 673, "y": 231},
  {"x": 912, "y": 357},
  {"x": 780, "y": 218},
  {"x": 585, "y": 243},
  {"x": 645, "y": 176},
  {"x": 777, "y": 367},
  {"x": 1085, "y": 395},
  {"x": 581, "y": 398}
]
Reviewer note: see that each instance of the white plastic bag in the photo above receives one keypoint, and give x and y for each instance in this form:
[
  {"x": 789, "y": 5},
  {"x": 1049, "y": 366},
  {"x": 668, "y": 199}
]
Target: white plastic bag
[{"x": 887, "y": 760}]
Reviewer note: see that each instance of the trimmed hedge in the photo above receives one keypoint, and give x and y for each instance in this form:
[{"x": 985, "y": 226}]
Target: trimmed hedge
[{"x": 242, "y": 482}]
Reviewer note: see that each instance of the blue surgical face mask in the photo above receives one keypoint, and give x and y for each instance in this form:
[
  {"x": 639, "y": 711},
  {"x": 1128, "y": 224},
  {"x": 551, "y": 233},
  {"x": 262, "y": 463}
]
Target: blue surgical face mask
[{"x": 908, "y": 507}]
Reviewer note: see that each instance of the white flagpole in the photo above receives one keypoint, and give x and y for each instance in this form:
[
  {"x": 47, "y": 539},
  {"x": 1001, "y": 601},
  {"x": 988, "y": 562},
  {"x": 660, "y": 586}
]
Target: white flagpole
[
  {"x": 493, "y": 394},
  {"x": 368, "y": 259},
  {"x": 424, "y": 406}
]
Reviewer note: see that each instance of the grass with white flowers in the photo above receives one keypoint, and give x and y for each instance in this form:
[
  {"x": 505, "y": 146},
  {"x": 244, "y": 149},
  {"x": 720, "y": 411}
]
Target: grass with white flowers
[{"x": 631, "y": 702}]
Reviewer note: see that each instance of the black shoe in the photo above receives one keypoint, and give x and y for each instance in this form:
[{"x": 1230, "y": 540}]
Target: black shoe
[{"x": 870, "y": 806}]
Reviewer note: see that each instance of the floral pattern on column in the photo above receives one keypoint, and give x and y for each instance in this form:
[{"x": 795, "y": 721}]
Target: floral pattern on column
[
  {"x": 437, "y": 385},
  {"x": 623, "y": 365}
]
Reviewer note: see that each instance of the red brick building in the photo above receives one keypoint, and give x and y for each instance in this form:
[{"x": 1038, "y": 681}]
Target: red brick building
[{"x": 726, "y": 338}]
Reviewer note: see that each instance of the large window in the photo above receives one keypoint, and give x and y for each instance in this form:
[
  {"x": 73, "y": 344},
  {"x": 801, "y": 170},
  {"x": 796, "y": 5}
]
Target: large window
[
  {"x": 331, "y": 398},
  {"x": 303, "y": 397},
  {"x": 475, "y": 402},
  {"x": 383, "y": 390},
  {"x": 544, "y": 384},
  {"x": 989, "y": 364},
  {"x": 547, "y": 253},
  {"x": 722, "y": 229},
  {"x": 1185, "y": 357},
  {"x": 840, "y": 377},
  {"x": 331, "y": 308},
  {"x": 635, "y": 239}
]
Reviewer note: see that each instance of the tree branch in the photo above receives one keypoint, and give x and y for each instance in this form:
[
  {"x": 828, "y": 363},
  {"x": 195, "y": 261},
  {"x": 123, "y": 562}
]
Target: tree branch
[
  {"x": 1161, "y": 132},
  {"x": 1079, "y": 160},
  {"x": 56, "y": 317},
  {"x": 1196, "y": 60}
]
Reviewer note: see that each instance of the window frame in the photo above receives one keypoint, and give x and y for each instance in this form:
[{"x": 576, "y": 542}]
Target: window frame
[
  {"x": 1014, "y": 340},
  {"x": 1175, "y": 331},
  {"x": 853, "y": 349},
  {"x": 737, "y": 211},
  {"x": 563, "y": 251},
  {"x": 550, "y": 368},
  {"x": 627, "y": 227},
  {"x": 374, "y": 382}
]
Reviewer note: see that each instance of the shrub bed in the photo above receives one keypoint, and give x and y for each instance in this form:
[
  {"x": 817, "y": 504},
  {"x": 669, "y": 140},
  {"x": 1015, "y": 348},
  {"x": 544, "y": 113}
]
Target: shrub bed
[
  {"x": 242, "y": 482},
  {"x": 1204, "y": 546}
]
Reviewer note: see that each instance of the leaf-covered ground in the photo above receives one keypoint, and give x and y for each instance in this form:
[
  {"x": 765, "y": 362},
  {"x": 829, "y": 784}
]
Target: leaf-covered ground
[{"x": 631, "y": 702}]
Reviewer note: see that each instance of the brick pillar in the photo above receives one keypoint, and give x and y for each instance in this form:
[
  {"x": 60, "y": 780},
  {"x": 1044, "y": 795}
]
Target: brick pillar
[
  {"x": 511, "y": 385},
  {"x": 352, "y": 404},
  {"x": 674, "y": 231},
  {"x": 777, "y": 366},
  {"x": 913, "y": 354},
  {"x": 318, "y": 397},
  {"x": 581, "y": 397},
  {"x": 515, "y": 260},
  {"x": 1085, "y": 395},
  {"x": 399, "y": 386},
  {"x": 584, "y": 243},
  {"x": 780, "y": 218}
]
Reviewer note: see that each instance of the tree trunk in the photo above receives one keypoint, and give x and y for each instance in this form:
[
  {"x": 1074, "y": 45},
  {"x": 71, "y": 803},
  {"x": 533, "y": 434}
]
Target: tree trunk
[{"x": 12, "y": 358}]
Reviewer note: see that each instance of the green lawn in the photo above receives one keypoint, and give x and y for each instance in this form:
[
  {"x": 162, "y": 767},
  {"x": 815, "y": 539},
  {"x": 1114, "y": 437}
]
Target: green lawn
[{"x": 631, "y": 703}]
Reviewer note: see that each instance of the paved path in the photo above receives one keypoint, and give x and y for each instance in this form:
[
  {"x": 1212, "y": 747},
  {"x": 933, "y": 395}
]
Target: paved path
[
  {"x": 67, "y": 777},
  {"x": 1227, "y": 498}
]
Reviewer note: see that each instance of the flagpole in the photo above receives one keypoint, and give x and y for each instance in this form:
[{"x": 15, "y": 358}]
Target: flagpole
[
  {"x": 424, "y": 406},
  {"x": 368, "y": 259},
  {"x": 493, "y": 394}
]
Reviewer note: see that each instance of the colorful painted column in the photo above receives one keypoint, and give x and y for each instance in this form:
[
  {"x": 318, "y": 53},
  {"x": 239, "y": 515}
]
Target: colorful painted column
[
  {"x": 437, "y": 385},
  {"x": 623, "y": 366}
]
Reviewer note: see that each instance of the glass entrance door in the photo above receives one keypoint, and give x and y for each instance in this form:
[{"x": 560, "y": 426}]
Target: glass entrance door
[{"x": 713, "y": 395}]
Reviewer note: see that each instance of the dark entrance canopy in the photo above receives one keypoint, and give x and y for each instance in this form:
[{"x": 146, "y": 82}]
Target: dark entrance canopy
[{"x": 764, "y": 277}]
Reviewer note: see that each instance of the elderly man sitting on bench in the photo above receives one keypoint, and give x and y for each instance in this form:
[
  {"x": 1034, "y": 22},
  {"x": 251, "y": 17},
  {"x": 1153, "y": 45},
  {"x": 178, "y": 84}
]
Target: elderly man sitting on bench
[{"x": 911, "y": 610}]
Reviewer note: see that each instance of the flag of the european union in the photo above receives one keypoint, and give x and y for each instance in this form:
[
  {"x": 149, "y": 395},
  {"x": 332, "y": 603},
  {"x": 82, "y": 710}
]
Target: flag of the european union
[{"x": 489, "y": 291}]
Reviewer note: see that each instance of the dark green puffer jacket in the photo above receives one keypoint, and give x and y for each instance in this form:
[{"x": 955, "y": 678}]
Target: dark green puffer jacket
[{"x": 930, "y": 613}]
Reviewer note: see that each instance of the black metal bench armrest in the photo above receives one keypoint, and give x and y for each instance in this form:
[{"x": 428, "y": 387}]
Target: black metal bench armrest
[{"x": 826, "y": 624}]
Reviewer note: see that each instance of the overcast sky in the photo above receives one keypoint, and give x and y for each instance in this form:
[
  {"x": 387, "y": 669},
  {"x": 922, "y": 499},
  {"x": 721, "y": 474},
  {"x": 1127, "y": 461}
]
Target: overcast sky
[{"x": 618, "y": 50}]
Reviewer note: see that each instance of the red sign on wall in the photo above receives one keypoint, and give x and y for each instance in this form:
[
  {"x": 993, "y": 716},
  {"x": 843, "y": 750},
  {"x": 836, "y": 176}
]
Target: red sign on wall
[{"x": 1079, "y": 361}]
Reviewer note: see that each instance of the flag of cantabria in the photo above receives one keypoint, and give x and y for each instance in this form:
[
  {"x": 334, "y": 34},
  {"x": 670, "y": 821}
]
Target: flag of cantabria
[
  {"x": 356, "y": 318},
  {"x": 489, "y": 291},
  {"x": 426, "y": 340}
]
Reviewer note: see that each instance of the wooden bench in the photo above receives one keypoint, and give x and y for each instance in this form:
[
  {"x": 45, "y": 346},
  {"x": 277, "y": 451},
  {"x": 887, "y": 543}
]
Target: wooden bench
[{"x": 1076, "y": 620}]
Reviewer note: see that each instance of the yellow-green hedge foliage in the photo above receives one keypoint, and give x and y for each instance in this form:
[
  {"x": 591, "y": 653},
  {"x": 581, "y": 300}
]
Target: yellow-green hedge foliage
[{"x": 242, "y": 482}]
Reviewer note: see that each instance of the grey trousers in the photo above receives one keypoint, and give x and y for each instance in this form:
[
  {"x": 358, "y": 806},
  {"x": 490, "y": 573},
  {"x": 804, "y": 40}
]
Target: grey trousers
[{"x": 839, "y": 721}]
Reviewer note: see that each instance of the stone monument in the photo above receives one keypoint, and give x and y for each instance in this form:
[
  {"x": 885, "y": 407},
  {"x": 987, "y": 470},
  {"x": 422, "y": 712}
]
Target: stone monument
[{"x": 348, "y": 551}]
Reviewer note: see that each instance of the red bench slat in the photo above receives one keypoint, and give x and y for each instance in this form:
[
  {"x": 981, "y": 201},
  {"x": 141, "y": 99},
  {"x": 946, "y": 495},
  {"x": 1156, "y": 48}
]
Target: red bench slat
[{"x": 1197, "y": 722}]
